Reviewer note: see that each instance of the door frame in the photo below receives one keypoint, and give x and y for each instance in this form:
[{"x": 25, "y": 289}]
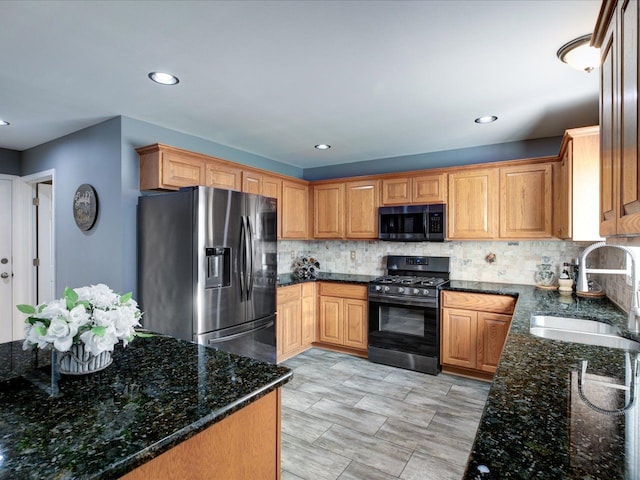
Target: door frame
[{"x": 24, "y": 240}]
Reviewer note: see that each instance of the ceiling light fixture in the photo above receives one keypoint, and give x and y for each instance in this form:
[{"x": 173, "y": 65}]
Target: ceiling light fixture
[
  {"x": 322, "y": 146},
  {"x": 486, "y": 119},
  {"x": 4, "y": 123},
  {"x": 164, "y": 78},
  {"x": 579, "y": 54}
]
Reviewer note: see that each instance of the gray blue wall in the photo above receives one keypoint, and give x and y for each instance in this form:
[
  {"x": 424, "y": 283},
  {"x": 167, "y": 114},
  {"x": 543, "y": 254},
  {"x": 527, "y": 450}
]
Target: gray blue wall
[
  {"x": 91, "y": 155},
  {"x": 9, "y": 162},
  {"x": 541, "y": 147}
]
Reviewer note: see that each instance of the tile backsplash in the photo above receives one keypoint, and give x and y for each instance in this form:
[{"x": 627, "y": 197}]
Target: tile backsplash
[{"x": 515, "y": 261}]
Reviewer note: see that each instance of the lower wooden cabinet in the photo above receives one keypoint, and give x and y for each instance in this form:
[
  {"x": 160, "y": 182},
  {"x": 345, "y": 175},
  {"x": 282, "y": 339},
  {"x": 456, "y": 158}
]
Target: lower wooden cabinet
[
  {"x": 296, "y": 320},
  {"x": 474, "y": 329},
  {"x": 246, "y": 444},
  {"x": 343, "y": 315}
]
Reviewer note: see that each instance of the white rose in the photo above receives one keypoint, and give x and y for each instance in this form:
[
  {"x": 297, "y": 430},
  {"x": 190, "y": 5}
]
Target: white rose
[
  {"x": 78, "y": 316},
  {"x": 61, "y": 334},
  {"x": 35, "y": 335},
  {"x": 56, "y": 308},
  {"x": 98, "y": 344}
]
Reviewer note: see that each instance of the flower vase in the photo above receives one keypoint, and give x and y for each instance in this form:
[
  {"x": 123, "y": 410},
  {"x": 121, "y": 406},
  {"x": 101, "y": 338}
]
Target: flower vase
[{"x": 79, "y": 361}]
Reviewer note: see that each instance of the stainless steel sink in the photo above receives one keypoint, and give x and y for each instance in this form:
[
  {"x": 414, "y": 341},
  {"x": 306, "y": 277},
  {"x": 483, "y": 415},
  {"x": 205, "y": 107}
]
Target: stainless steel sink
[{"x": 579, "y": 330}]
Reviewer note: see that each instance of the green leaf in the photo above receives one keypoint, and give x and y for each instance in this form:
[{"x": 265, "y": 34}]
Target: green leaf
[
  {"x": 144, "y": 335},
  {"x": 42, "y": 307},
  {"x": 28, "y": 309},
  {"x": 126, "y": 297},
  {"x": 40, "y": 330},
  {"x": 98, "y": 331}
]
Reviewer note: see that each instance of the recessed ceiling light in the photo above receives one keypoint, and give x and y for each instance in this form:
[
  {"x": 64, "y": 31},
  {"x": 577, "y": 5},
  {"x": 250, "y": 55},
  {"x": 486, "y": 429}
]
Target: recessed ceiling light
[
  {"x": 163, "y": 78},
  {"x": 486, "y": 119},
  {"x": 579, "y": 54},
  {"x": 4, "y": 123},
  {"x": 322, "y": 146}
]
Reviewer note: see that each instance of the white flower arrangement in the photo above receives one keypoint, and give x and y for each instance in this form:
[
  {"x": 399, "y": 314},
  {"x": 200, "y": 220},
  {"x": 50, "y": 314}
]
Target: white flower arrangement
[{"x": 94, "y": 315}]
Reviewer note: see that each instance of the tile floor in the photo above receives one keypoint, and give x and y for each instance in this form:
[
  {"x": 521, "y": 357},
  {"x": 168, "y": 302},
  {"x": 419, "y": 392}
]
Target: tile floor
[{"x": 344, "y": 418}]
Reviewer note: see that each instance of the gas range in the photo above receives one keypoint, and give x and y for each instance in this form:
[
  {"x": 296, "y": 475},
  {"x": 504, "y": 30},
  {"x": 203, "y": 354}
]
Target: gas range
[{"x": 409, "y": 285}]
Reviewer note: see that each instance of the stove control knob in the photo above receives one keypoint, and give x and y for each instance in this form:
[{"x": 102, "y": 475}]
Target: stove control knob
[
  {"x": 425, "y": 292},
  {"x": 400, "y": 289},
  {"x": 386, "y": 289},
  {"x": 416, "y": 291},
  {"x": 378, "y": 288}
]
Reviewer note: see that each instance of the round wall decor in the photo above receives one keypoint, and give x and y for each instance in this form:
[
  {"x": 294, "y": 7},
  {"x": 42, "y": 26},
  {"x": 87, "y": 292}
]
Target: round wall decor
[{"x": 85, "y": 207}]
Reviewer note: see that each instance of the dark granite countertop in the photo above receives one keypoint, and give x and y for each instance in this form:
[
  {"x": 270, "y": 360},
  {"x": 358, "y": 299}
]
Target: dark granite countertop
[
  {"x": 287, "y": 279},
  {"x": 158, "y": 392},
  {"x": 535, "y": 424}
]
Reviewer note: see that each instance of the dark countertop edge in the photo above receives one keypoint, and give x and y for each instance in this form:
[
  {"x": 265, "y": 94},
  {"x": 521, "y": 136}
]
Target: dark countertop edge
[
  {"x": 130, "y": 463},
  {"x": 288, "y": 279},
  {"x": 490, "y": 288}
]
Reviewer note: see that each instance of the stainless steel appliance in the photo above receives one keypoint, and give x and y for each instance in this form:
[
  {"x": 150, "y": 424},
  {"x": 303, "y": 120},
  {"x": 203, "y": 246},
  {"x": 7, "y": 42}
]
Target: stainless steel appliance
[
  {"x": 412, "y": 223},
  {"x": 207, "y": 268},
  {"x": 404, "y": 313}
]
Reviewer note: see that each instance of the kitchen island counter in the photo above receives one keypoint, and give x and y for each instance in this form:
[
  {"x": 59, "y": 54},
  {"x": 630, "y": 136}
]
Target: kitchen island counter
[
  {"x": 535, "y": 424},
  {"x": 287, "y": 279},
  {"x": 157, "y": 393}
]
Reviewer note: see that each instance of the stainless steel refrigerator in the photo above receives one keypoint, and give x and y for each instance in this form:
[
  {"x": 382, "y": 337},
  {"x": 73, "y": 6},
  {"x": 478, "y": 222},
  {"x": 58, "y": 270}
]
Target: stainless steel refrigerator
[{"x": 207, "y": 268}]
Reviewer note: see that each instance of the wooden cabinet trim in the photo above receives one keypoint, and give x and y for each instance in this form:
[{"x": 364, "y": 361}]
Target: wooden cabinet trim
[
  {"x": 479, "y": 301},
  {"x": 343, "y": 290}
]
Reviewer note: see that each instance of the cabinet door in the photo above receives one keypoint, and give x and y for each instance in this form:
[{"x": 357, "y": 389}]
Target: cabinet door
[
  {"x": 308, "y": 313},
  {"x": 220, "y": 175},
  {"x": 272, "y": 187},
  {"x": 355, "y": 323},
  {"x": 629, "y": 176},
  {"x": 295, "y": 210},
  {"x": 492, "y": 333},
  {"x": 328, "y": 210},
  {"x": 525, "y": 201},
  {"x": 290, "y": 317},
  {"x": 252, "y": 182},
  {"x": 473, "y": 204},
  {"x": 458, "y": 337},
  {"x": 181, "y": 170},
  {"x": 429, "y": 188},
  {"x": 608, "y": 133},
  {"x": 331, "y": 320},
  {"x": 361, "y": 208},
  {"x": 396, "y": 191}
]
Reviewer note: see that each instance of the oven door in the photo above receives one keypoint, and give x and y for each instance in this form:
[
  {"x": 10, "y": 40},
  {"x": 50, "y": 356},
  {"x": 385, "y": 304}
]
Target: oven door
[{"x": 399, "y": 325}]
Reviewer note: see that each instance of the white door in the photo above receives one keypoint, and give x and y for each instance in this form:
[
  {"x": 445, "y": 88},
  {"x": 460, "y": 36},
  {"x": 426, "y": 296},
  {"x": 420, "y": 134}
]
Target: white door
[
  {"x": 6, "y": 270},
  {"x": 45, "y": 243}
]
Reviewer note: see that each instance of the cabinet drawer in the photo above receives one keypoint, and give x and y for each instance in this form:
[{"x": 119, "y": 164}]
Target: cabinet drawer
[
  {"x": 343, "y": 290},
  {"x": 288, "y": 294},
  {"x": 479, "y": 302}
]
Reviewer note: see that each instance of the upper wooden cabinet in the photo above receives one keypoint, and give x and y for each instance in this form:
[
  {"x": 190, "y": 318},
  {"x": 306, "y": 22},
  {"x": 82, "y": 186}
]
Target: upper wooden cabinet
[
  {"x": 221, "y": 175},
  {"x": 575, "y": 179},
  {"x": 510, "y": 202},
  {"x": 346, "y": 209},
  {"x": 328, "y": 210},
  {"x": 616, "y": 34},
  {"x": 414, "y": 189},
  {"x": 472, "y": 210},
  {"x": 168, "y": 168},
  {"x": 295, "y": 210},
  {"x": 525, "y": 201}
]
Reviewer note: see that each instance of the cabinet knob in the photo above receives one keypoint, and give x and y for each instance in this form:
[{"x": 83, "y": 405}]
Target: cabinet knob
[{"x": 4, "y": 275}]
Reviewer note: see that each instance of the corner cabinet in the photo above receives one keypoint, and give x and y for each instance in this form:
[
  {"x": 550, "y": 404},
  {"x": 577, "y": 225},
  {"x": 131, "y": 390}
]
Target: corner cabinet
[
  {"x": 342, "y": 310},
  {"x": 346, "y": 209},
  {"x": 296, "y": 319},
  {"x": 575, "y": 179},
  {"x": 616, "y": 34},
  {"x": 473, "y": 332}
]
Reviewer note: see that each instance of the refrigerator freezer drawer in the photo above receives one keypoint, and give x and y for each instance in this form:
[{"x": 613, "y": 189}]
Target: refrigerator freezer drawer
[{"x": 255, "y": 339}]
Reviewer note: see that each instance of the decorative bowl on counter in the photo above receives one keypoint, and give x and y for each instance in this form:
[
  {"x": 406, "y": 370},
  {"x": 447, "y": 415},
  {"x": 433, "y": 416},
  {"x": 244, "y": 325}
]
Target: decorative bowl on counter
[{"x": 306, "y": 266}]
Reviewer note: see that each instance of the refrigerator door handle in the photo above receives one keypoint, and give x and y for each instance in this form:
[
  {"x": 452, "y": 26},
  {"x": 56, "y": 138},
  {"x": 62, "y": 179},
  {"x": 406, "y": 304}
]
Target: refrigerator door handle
[
  {"x": 241, "y": 334},
  {"x": 242, "y": 258},
  {"x": 250, "y": 250}
]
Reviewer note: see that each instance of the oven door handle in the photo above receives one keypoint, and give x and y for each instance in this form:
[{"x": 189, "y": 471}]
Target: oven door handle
[{"x": 430, "y": 302}]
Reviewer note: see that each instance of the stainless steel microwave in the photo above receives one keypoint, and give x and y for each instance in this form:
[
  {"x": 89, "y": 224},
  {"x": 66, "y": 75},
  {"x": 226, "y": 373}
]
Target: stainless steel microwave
[{"x": 412, "y": 223}]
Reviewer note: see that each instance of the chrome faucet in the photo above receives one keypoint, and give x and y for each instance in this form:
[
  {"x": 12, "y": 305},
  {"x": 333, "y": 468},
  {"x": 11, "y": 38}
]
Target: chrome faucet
[{"x": 582, "y": 284}]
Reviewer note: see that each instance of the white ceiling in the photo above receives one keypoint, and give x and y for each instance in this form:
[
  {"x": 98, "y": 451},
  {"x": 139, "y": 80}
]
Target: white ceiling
[{"x": 374, "y": 79}]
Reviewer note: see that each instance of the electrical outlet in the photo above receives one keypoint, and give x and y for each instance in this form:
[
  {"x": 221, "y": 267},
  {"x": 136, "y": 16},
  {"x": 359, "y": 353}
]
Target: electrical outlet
[
  {"x": 293, "y": 254},
  {"x": 353, "y": 255}
]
